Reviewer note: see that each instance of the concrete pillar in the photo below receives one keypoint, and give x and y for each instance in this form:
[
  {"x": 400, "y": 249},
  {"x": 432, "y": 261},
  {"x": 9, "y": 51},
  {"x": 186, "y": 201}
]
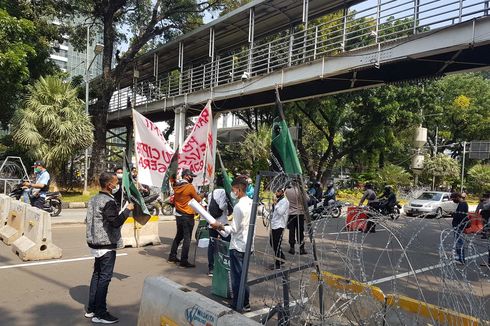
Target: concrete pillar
[
  {"x": 176, "y": 128},
  {"x": 182, "y": 126}
]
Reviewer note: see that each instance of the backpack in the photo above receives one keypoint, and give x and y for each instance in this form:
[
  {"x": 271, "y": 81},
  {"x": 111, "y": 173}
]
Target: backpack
[{"x": 213, "y": 207}]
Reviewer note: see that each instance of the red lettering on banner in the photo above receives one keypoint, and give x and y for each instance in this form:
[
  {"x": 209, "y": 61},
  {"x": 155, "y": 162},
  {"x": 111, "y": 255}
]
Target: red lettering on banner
[
  {"x": 157, "y": 155},
  {"x": 189, "y": 146},
  {"x": 203, "y": 119}
]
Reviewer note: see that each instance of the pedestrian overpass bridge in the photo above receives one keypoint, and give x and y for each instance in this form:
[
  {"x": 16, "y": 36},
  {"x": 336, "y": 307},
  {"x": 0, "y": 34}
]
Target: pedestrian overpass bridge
[{"x": 306, "y": 48}]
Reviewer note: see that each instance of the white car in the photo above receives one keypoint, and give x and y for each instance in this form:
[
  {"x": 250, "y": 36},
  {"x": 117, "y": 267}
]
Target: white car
[{"x": 431, "y": 203}]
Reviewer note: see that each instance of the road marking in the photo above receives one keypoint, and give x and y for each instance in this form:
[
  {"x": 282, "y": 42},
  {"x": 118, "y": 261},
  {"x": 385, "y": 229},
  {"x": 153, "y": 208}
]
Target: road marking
[
  {"x": 421, "y": 270},
  {"x": 58, "y": 261},
  {"x": 265, "y": 310}
]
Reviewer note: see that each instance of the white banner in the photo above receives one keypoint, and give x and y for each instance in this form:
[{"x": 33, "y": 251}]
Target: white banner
[
  {"x": 197, "y": 152},
  {"x": 153, "y": 152}
]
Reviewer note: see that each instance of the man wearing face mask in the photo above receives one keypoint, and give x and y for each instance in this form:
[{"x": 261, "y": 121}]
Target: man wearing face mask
[
  {"x": 41, "y": 186},
  {"x": 239, "y": 233},
  {"x": 278, "y": 224},
  {"x": 184, "y": 191},
  {"x": 103, "y": 233},
  {"x": 118, "y": 192}
]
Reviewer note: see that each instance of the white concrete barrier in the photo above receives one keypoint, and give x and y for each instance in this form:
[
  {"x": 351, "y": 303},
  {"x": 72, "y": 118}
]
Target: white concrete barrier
[
  {"x": 128, "y": 233},
  {"x": 36, "y": 241},
  {"x": 15, "y": 222},
  {"x": 164, "y": 302},
  {"x": 4, "y": 209},
  {"x": 147, "y": 234}
]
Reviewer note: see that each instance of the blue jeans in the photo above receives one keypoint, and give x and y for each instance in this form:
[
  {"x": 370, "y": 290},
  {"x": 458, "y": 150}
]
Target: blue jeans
[
  {"x": 213, "y": 235},
  {"x": 458, "y": 245},
  {"x": 101, "y": 277},
  {"x": 236, "y": 266}
]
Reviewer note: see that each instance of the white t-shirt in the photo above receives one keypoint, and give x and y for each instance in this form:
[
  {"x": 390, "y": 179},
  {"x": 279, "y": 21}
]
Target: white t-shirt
[
  {"x": 239, "y": 225},
  {"x": 219, "y": 196},
  {"x": 280, "y": 214}
]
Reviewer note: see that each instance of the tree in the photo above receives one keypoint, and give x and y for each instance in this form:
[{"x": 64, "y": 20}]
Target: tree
[
  {"x": 393, "y": 175},
  {"x": 256, "y": 149},
  {"x": 479, "y": 178},
  {"x": 444, "y": 168},
  {"x": 52, "y": 125},
  {"x": 148, "y": 21},
  {"x": 24, "y": 53}
]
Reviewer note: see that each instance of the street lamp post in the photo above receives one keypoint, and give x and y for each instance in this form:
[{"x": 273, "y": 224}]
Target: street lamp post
[{"x": 98, "y": 49}]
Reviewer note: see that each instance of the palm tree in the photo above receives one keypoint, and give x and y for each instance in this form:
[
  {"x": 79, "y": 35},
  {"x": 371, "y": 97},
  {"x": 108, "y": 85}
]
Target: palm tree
[{"x": 52, "y": 125}]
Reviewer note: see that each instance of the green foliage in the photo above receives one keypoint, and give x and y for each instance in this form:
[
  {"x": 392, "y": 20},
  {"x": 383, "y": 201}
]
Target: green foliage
[
  {"x": 52, "y": 125},
  {"x": 393, "y": 175},
  {"x": 255, "y": 150},
  {"x": 444, "y": 168},
  {"x": 24, "y": 53},
  {"x": 479, "y": 178}
]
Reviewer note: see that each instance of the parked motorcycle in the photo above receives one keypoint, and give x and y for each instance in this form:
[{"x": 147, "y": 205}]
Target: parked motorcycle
[{"x": 52, "y": 204}]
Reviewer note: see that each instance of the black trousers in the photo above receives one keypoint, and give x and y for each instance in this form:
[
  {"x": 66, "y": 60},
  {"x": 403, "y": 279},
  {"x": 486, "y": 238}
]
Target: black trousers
[
  {"x": 296, "y": 226},
  {"x": 275, "y": 241},
  {"x": 185, "y": 225},
  {"x": 99, "y": 285},
  {"x": 38, "y": 202}
]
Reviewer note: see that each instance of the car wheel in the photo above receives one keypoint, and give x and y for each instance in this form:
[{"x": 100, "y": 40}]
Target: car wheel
[{"x": 438, "y": 213}]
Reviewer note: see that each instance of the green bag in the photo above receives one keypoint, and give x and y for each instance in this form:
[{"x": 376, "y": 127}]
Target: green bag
[
  {"x": 221, "y": 284},
  {"x": 202, "y": 231}
]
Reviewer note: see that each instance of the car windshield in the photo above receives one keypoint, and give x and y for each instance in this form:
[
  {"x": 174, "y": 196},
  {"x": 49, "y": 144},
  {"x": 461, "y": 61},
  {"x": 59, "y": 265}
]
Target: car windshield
[{"x": 430, "y": 196}]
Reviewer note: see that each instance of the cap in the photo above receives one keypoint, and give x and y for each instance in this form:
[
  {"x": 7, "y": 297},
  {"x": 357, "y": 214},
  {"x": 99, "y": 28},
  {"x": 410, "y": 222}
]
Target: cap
[
  {"x": 38, "y": 163},
  {"x": 187, "y": 172}
]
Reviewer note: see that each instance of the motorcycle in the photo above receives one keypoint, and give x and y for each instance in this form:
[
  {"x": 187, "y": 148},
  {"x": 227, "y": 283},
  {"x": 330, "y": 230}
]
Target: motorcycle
[
  {"x": 153, "y": 203},
  {"x": 380, "y": 208},
  {"x": 324, "y": 210},
  {"x": 52, "y": 203}
]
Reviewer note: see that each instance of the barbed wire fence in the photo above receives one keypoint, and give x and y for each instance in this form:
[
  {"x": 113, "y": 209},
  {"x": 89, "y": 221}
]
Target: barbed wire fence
[{"x": 408, "y": 257}]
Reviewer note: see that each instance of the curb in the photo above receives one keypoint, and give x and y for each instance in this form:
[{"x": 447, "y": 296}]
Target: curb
[{"x": 65, "y": 205}]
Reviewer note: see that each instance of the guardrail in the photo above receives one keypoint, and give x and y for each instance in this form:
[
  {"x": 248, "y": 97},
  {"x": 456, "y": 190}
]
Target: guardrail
[{"x": 370, "y": 23}]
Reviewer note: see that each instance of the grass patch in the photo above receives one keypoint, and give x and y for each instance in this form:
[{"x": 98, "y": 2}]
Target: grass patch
[{"x": 77, "y": 195}]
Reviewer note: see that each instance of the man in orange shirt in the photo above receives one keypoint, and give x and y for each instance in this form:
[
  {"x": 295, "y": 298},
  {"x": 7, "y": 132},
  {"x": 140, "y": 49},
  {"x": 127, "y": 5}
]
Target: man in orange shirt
[{"x": 184, "y": 191}]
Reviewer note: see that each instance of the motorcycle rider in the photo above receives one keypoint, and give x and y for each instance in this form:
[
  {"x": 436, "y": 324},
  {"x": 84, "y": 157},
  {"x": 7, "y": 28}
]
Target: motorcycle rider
[
  {"x": 389, "y": 199},
  {"x": 329, "y": 194},
  {"x": 41, "y": 187}
]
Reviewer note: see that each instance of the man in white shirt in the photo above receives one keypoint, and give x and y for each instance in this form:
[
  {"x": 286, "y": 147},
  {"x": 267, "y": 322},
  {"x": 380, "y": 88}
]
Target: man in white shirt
[
  {"x": 239, "y": 233},
  {"x": 278, "y": 224},
  {"x": 219, "y": 210},
  {"x": 41, "y": 185}
]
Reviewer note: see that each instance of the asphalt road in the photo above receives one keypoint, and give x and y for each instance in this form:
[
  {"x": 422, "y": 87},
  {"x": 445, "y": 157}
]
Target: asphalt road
[{"x": 55, "y": 294}]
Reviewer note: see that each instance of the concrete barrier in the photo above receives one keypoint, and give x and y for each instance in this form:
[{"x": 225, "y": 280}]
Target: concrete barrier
[
  {"x": 128, "y": 233},
  {"x": 15, "y": 222},
  {"x": 36, "y": 241},
  {"x": 164, "y": 302},
  {"x": 4, "y": 209},
  {"x": 147, "y": 234}
]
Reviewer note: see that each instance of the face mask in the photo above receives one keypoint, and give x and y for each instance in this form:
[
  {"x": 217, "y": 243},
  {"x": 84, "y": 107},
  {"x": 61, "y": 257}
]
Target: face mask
[
  {"x": 190, "y": 179},
  {"x": 119, "y": 175},
  {"x": 115, "y": 190},
  {"x": 37, "y": 170},
  {"x": 233, "y": 196}
]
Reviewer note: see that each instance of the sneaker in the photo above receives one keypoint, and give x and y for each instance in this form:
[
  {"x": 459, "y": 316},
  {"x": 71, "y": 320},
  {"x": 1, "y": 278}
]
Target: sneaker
[
  {"x": 247, "y": 308},
  {"x": 186, "y": 264},
  {"x": 291, "y": 251},
  {"x": 89, "y": 314},
  {"x": 459, "y": 262},
  {"x": 173, "y": 260},
  {"x": 303, "y": 252},
  {"x": 106, "y": 318},
  {"x": 210, "y": 273},
  {"x": 274, "y": 267}
]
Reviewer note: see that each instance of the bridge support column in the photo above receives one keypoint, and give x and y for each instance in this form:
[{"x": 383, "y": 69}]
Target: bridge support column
[
  {"x": 183, "y": 111},
  {"x": 179, "y": 127}
]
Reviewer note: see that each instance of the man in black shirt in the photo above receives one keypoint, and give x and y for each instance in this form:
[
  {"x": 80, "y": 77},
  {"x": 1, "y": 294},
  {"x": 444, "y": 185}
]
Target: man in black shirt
[{"x": 459, "y": 223}]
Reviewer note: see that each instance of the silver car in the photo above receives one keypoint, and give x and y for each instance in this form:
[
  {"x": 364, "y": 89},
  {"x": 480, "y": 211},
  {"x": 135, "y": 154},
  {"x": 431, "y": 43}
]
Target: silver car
[{"x": 431, "y": 203}]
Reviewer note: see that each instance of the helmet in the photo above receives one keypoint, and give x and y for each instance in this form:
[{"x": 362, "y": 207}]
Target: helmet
[
  {"x": 388, "y": 187},
  {"x": 329, "y": 185}
]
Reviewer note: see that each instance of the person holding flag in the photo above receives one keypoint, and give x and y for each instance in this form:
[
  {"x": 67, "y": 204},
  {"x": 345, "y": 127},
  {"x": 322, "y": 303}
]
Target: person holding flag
[{"x": 184, "y": 191}]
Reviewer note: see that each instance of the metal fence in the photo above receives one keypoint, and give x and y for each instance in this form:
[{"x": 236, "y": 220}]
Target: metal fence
[{"x": 368, "y": 24}]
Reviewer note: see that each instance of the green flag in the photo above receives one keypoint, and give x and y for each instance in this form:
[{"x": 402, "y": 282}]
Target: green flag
[
  {"x": 171, "y": 173},
  {"x": 283, "y": 152},
  {"x": 140, "y": 212},
  {"x": 226, "y": 180}
]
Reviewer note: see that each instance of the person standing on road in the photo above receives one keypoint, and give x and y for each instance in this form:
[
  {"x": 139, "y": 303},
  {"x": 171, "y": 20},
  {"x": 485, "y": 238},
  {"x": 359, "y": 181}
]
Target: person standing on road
[
  {"x": 218, "y": 207},
  {"x": 460, "y": 222},
  {"x": 369, "y": 194},
  {"x": 41, "y": 185},
  {"x": 296, "y": 218},
  {"x": 103, "y": 232},
  {"x": 238, "y": 243},
  {"x": 278, "y": 224},
  {"x": 184, "y": 191}
]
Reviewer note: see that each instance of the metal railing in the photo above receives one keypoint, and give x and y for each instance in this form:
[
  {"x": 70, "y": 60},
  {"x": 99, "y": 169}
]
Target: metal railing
[{"x": 370, "y": 23}]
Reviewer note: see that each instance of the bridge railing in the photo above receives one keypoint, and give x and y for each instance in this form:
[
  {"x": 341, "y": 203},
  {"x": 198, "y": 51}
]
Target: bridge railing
[{"x": 370, "y": 23}]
